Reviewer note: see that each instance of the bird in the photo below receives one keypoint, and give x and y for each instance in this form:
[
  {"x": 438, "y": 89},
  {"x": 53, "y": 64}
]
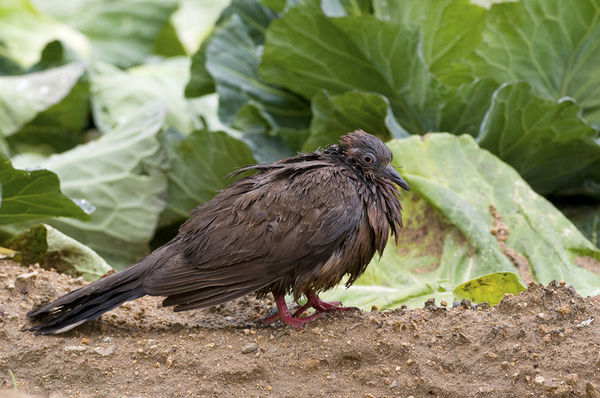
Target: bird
[{"x": 296, "y": 226}]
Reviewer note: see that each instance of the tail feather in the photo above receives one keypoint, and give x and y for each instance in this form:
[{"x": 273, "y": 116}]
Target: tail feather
[{"x": 89, "y": 302}]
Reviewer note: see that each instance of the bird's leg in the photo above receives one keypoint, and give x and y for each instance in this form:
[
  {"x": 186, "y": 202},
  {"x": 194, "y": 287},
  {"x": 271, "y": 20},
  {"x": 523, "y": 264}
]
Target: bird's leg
[
  {"x": 283, "y": 314},
  {"x": 313, "y": 300}
]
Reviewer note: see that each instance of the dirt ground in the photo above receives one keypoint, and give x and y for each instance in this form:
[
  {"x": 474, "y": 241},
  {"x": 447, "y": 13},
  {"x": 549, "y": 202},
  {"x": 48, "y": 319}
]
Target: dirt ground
[{"x": 545, "y": 342}]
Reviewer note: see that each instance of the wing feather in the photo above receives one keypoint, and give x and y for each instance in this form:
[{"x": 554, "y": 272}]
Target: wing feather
[{"x": 278, "y": 222}]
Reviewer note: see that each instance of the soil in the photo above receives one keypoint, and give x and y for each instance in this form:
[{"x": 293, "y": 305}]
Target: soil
[{"x": 544, "y": 342}]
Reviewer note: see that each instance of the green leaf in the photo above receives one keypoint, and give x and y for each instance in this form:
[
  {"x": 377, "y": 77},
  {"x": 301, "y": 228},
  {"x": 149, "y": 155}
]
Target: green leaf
[
  {"x": 551, "y": 44},
  {"x": 122, "y": 175},
  {"x": 56, "y": 53},
  {"x": 195, "y": 19},
  {"x": 58, "y": 127},
  {"x": 305, "y": 51},
  {"x": 586, "y": 218},
  {"x": 200, "y": 164},
  {"x": 52, "y": 249},
  {"x": 451, "y": 29},
  {"x": 32, "y": 194},
  {"x": 489, "y": 288},
  {"x": 24, "y": 97},
  {"x": 167, "y": 43},
  {"x": 232, "y": 59},
  {"x": 116, "y": 94},
  {"x": 275, "y": 5},
  {"x": 201, "y": 82},
  {"x": 343, "y": 8},
  {"x": 336, "y": 115},
  {"x": 540, "y": 138},
  {"x": 8, "y": 66},
  {"x": 464, "y": 109},
  {"x": 123, "y": 33},
  {"x": 24, "y": 32},
  {"x": 468, "y": 215},
  {"x": 463, "y": 181}
]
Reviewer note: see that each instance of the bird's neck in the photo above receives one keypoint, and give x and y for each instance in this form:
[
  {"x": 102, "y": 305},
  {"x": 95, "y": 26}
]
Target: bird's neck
[{"x": 380, "y": 199}]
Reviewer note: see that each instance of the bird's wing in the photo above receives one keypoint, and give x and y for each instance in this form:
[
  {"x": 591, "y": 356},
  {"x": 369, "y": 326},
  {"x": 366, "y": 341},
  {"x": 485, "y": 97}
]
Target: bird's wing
[{"x": 254, "y": 233}]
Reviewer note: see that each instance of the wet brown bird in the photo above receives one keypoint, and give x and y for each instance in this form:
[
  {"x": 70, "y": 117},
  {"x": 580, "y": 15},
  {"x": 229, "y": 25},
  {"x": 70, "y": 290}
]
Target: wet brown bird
[{"x": 296, "y": 226}]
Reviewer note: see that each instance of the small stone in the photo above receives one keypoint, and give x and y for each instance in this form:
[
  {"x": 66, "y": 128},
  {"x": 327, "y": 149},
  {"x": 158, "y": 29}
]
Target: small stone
[
  {"x": 572, "y": 379},
  {"x": 28, "y": 275},
  {"x": 547, "y": 339},
  {"x": 490, "y": 355},
  {"x": 540, "y": 316},
  {"x": 85, "y": 341},
  {"x": 169, "y": 362},
  {"x": 106, "y": 339},
  {"x": 539, "y": 380},
  {"x": 105, "y": 351},
  {"x": 210, "y": 345},
  {"x": 564, "y": 310},
  {"x": 250, "y": 347},
  {"x": 394, "y": 384},
  {"x": 444, "y": 303},
  {"x": 585, "y": 323},
  {"x": 75, "y": 348}
]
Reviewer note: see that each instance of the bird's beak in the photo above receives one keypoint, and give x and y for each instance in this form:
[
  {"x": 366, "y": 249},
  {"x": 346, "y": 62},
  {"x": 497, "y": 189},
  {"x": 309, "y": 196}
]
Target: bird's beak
[{"x": 394, "y": 176}]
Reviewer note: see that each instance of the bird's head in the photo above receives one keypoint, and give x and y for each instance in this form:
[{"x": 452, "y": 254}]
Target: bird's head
[{"x": 371, "y": 156}]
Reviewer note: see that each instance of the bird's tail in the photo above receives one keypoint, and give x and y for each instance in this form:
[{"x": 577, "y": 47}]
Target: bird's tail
[{"x": 90, "y": 301}]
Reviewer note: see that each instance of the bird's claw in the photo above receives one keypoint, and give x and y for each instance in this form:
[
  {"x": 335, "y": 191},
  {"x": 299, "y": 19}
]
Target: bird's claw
[
  {"x": 321, "y": 306},
  {"x": 313, "y": 300}
]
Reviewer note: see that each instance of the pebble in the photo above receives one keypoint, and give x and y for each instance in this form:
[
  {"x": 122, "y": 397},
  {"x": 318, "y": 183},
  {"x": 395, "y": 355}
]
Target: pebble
[
  {"x": 75, "y": 348},
  {"x": 539, "y": 380},
  {"x": 105, "y": 351},
  {"x": 250, "y": 347},
  {"x": 28, "y": 275},
  {"x": 572, "y": 379},
  {"x": 564, "y": 310}
]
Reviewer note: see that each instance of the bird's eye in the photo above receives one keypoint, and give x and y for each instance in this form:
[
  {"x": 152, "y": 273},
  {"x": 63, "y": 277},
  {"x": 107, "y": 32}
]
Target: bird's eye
[{"x": 368, "y": 158}]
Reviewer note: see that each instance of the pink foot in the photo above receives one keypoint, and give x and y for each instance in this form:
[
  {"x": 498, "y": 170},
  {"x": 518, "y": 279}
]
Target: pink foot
[
  {"x": 283, "y": 314},
  {"x": 320, "y": 306}
]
